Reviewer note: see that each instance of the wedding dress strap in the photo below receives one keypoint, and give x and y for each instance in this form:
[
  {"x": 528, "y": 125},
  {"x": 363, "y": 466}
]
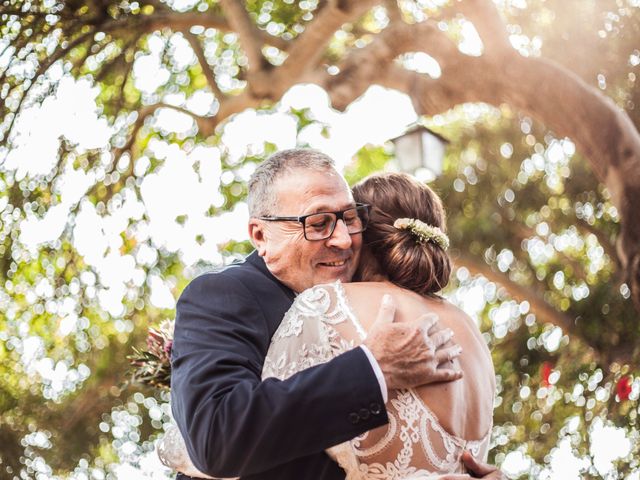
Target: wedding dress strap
[{"x": 342, "y": 301}]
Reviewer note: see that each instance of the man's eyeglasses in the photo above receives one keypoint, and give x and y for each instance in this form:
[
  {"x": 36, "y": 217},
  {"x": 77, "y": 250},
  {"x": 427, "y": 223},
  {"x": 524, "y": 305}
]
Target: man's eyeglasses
[{"x": 320, "y": 226}]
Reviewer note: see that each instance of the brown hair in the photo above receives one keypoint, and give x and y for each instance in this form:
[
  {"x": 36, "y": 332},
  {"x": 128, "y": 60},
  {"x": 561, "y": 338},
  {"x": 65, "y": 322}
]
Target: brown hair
[{"x": 397, "y": 254}]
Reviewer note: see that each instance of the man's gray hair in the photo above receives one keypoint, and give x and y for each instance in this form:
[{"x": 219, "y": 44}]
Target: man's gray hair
[{"x": 262, "y": 197}]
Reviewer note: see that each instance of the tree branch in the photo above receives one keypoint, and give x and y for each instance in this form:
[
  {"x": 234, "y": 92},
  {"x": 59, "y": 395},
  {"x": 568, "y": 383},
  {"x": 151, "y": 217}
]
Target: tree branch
[
  {"x": 206, "y": 68},
  {"x": 393, "y": 10},
  {"x": 143, "y": 113},
  {"x": 80, "y": 61},
  {"x": 236, "y": 104},
  {"x": 206, "y": 126},
  {"x": 603, "y": 239},
  {"x": 20, "y": 13},
  {"x": 278, "y": 42},
  {"x": 248, "y": 34},
  {"x": 543, "y": 89},
  {"x": 309, "y": 46},
  {"x": 521, "y": 232},
  {"x": 485, "y": 17},
  {"x": 118, "y": 60},
  {"x": 177, "y": 21},
  {"x": 543, "y": 311},
  {"x": 123, "y": 85},
  {"x": 375, "y": 62}
]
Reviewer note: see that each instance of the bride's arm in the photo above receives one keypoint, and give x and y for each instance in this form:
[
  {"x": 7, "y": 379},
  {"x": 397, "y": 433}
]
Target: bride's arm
[{"x": 172, "y": 452}]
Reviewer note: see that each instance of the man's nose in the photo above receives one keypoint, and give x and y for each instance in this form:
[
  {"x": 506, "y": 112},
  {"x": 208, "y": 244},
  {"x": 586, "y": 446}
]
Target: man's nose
[{"x": 340, "y": 237}]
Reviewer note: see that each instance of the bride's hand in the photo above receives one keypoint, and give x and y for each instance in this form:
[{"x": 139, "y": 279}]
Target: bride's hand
[
  {"x": 476, "y": 470},
  {"x": 481, "y": 470},
  {"x": 411, "y": 354}
]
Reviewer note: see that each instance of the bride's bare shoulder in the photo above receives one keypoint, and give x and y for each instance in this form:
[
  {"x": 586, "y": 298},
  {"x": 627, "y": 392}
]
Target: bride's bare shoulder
[
  {"x": 451, "y": 310},
  {"x": 363, "y": 287},
  {"x": 372, "y": 292}
]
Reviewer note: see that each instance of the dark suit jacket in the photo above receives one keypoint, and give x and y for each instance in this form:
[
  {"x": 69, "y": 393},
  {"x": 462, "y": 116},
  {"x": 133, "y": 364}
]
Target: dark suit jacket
[{"x": 235, "y": 424}]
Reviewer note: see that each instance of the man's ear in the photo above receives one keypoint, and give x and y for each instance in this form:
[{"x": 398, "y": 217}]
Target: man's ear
[{"x": 257, "y": 235}]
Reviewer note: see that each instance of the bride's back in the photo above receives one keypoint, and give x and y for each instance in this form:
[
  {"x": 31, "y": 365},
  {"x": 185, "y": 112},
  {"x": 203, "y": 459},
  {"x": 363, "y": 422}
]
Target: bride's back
[
  {"x": 429, "y": 427},
  {"x": 463, "y": 407},
  {"x": 432, "y": 424}
]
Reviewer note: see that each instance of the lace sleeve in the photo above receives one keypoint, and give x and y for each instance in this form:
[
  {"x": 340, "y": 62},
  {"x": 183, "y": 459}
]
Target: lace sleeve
[
  {"x": 318, "y": 327},
  {"x": 311, "y": 333}
]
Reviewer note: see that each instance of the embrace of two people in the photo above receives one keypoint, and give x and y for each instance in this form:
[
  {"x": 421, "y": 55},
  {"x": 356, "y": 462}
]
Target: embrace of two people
[{"x": 327, "y": 354}]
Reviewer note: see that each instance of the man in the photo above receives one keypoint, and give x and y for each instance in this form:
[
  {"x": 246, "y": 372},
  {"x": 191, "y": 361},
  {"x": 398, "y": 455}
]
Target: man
[{"x": 234, "y": 424}]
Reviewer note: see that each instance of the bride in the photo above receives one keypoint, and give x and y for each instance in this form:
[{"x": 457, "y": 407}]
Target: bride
[{"x": 404, "y": 263}]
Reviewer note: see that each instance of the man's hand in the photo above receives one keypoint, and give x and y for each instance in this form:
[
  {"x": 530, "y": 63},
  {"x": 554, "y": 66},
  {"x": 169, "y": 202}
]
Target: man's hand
[
  {"x": 414, "y": 353},
  {"x": 481, "y": 470}
]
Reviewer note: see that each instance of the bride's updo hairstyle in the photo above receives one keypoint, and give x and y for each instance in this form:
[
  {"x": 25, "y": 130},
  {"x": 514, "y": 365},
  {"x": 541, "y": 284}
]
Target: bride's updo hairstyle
[{"x": 398, "y": 254}]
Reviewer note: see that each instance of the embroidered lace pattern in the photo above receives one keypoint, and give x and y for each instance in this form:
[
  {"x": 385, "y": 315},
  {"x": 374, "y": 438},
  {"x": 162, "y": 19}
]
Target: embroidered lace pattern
[
  {"x": 307, "y": 335},
  {"x": 413, "y": 445}
]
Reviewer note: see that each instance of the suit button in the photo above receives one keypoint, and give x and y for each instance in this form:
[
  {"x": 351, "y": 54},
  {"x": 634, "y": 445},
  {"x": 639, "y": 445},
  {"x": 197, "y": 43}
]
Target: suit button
[
  {"x": 375, "y": 408},
  {"x": 364, "y": 413},
  {"x": 354, "y": 418}
]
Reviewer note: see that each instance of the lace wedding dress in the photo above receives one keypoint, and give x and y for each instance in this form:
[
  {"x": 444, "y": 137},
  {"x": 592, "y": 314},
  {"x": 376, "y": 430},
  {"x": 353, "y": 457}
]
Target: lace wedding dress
[{"x": 413, "y": 446}]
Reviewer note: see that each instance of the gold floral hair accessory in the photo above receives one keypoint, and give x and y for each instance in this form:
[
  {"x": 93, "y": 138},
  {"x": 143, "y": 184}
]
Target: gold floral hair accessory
[{"x": 423, "y": 231}]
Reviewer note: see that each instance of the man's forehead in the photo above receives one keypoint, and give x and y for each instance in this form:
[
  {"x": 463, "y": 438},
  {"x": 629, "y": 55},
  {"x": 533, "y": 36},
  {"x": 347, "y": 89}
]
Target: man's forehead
[
  {"x": 313, "y": 189},
  {"x": 327, "y": 207}
]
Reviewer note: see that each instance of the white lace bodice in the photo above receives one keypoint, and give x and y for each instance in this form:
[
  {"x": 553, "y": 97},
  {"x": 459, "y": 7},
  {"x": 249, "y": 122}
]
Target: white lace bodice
[{"x": 319, "y": 326}]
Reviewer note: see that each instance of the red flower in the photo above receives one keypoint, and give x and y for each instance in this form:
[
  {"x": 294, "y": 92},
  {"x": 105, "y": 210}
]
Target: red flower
[
  {"x": 545, "y": 372},
  {"x": 623, "y": 388}
]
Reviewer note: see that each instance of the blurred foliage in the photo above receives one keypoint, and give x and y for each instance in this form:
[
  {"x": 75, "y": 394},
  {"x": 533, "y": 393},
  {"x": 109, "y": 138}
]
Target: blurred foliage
[{"x": 525, "y": 215}]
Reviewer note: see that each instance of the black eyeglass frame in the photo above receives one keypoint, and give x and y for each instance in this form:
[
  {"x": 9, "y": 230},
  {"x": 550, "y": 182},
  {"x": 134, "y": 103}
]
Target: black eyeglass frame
[{"x": 339, "y": 216}]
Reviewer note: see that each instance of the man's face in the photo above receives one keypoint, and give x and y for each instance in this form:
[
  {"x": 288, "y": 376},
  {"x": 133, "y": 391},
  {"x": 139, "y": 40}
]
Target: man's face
[{"x": 295, "y": 261}]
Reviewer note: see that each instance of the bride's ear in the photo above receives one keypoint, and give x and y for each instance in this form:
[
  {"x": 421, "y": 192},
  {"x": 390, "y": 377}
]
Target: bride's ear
[{"x": 257, "y": 236}]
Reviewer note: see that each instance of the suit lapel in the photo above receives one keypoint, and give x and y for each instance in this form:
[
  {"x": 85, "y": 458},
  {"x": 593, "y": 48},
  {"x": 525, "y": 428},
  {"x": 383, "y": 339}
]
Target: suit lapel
[{"x": 275, "y": 298}]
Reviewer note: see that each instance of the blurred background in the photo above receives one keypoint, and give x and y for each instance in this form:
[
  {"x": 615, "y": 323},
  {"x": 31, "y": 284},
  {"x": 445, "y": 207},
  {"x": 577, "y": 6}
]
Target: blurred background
[{"x": 128, "y": 131}]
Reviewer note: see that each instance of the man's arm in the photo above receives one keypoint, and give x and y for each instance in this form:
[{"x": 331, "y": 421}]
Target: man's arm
[{"x": 234, "y": 423}]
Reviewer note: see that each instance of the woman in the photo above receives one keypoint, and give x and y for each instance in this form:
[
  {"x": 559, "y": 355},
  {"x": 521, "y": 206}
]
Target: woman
[{"x": 403, "y": 255}]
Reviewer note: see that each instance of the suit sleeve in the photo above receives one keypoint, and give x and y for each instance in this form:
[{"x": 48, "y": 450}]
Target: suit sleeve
[{"x": 234, "y": 424}]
